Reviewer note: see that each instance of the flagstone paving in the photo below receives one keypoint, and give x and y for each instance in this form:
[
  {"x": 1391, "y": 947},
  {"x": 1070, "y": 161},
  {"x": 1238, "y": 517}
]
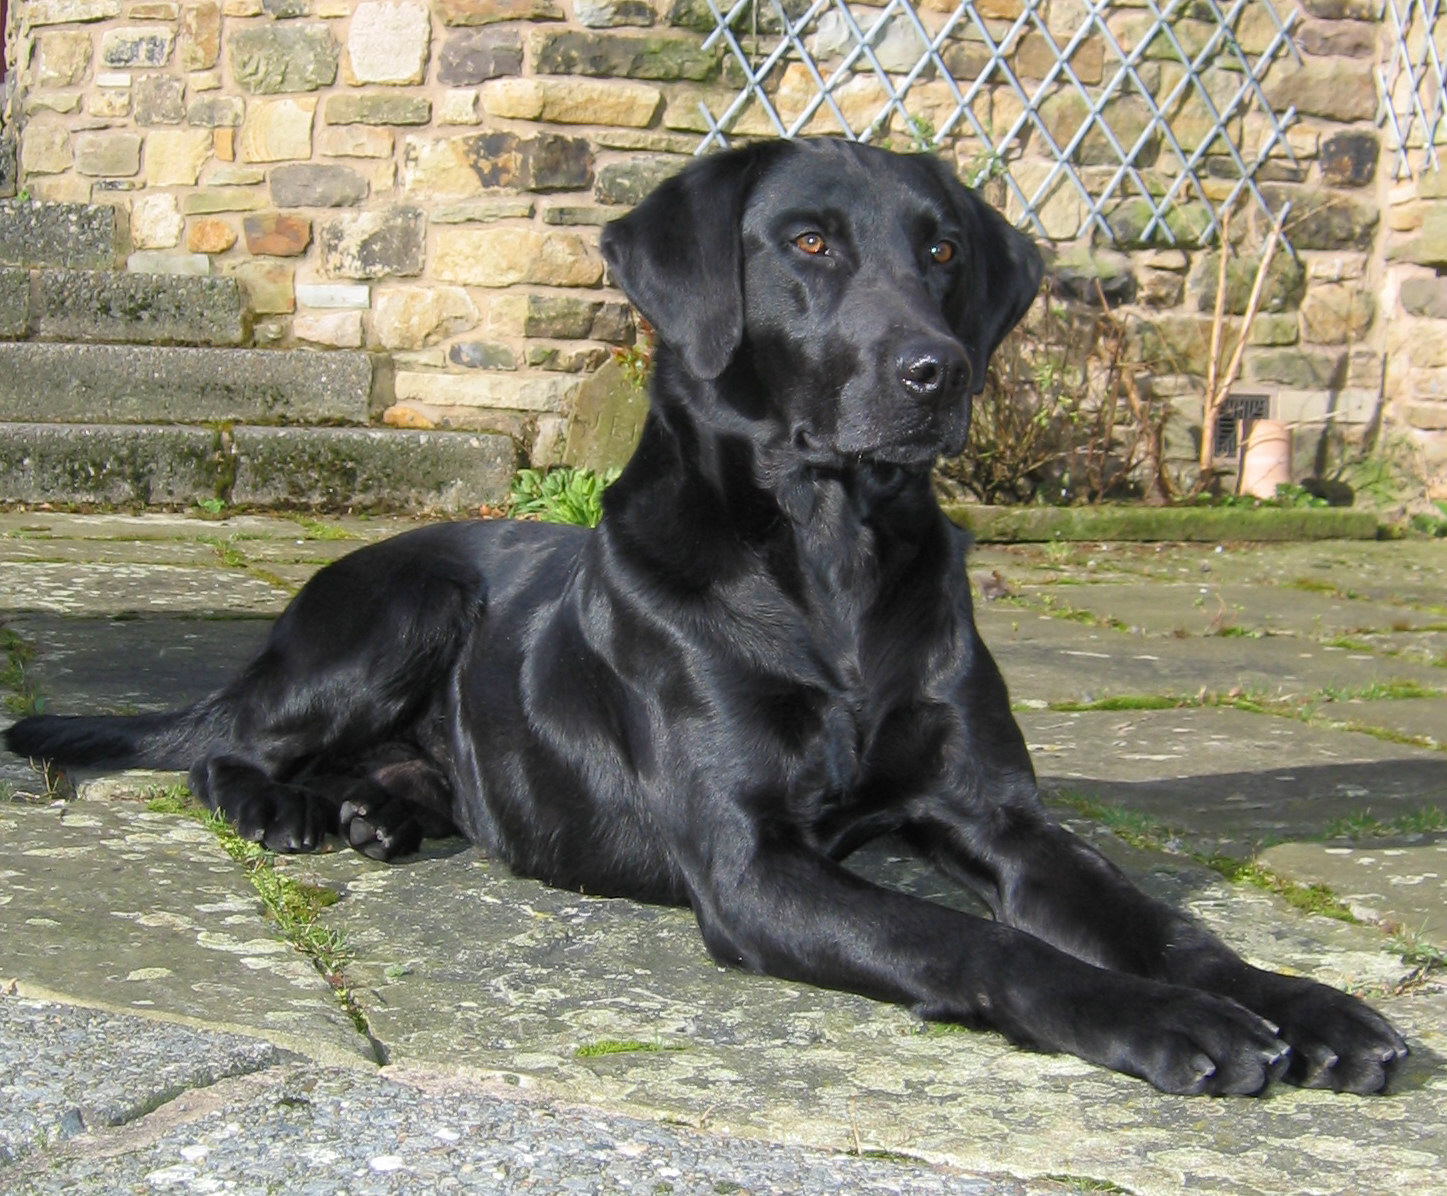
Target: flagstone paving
[{"x": 449, "y": 1025}]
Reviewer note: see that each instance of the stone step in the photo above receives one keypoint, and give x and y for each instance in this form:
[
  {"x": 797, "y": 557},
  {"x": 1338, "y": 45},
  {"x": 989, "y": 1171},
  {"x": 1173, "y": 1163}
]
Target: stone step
[
  {"x": 78, "y": 236},
  {"x": 70, "y": 383},
  {"x": 108, "y": 306},
  {"x": 332, "y": 469}
]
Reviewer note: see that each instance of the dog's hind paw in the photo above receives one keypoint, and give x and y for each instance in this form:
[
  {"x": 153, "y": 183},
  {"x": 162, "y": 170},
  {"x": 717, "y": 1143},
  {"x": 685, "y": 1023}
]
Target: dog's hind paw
[{"x": 380, "y": 826}]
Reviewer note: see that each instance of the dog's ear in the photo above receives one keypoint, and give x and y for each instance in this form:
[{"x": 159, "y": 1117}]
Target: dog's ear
[
  {"x": 677, "y": 257},
  {"x": 1004, "y": 277}
]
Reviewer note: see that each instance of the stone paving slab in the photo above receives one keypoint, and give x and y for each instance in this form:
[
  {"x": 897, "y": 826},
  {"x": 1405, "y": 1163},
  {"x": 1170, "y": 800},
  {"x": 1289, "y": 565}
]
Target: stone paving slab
[
  {"x": 66, "y": 1069},
  {"x": 460, "y": 964},
  {"x": 1229, "y": 780},
  {"x": 1408, "y": 572},
  {"x": 1049, "y": 659},
  {"x": 153, "y": 662},
  {"x": 1397, "y": 883},
  {"x": 96, "y": 589},
  {"x": 296, "y": 1129},
  {"x": 1422, "y": 717},
  {"x": 114, "y": 906},
  {"x": 1161, "y": 608}
]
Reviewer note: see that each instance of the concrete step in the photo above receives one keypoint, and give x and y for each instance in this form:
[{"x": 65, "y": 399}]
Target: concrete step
[
  {"x": 79, "y": 236},
  {"x": 108, "y": 306},
  {"x": 81, "y": 383},
  {"x": 331, "y": 469}
]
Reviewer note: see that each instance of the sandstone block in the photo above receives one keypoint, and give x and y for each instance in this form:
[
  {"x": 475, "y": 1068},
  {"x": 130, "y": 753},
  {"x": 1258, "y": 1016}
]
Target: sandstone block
[
  {"x": 628, "y": 182},
  {"x": 1430, "y": 417},
  {"x": 174, "y": 157},
  {"x": 200, "y": 42},
  {"x": 482, "y": 211},
  {"x": 573, "y": 101},
  {"x": 1349, "y": 158},
  {"x": 482, "y": 355},
  {"x": 354, "y": 141},
  {"x": 1424, "y": 296},
  {"x": 1337, "y": 39},
  {"x": 305, "y": 185},
  {"x": 108, "y": 155},
  {"x": 64, "y": 58},
  {"x": 63, "y": 12},
  {"x": 269, "y": 286},
  {"x": 141, "y": 46},
  {"x": 45, "y": 149},
  {"x": 159, "y": 100},
  {"x": 473, "y": 56},
  {"x": 1285, "y": 283},
  {"x": 518, "y": 392},
  {"x": 277, "y": 130},
  {"x": 374, "y": 244},
  {"x": 1304, "y": 368},
  {"x": 569, "y": 359},
  {"x": 1333, "y": 88},
  {"x": 338, "y": 329},
  {"x": 1336, "y": 313},
  {"x": 472, "y": 163},
  {"x": 411, "y": 317},
  {"x": 278, "y": 58},
  {"x": 488, "y": 12},
  {"x": 606, "y": 14},
  {"x": 277, "y": 234},
  {"x": 155, "y": 222},
  {"x": 460, "y": 106},
  {"x": 373, "y": 108},
  {"x": 622, "y": 56},
  {"x": 334, "y": 294},
  {"x": 221, "y": 199},
  {"x": 107, "y": 102},
  {"x": 169, "y": 261},
  {"x": 387, "y": 42},
  {"x": 1323, "y": 219},
  {"x": 503, "y": 256},
  {"x": 216, "y": 111},
  {"x": 210, "y": 234},
  {"x": 1275, "y": 329}
]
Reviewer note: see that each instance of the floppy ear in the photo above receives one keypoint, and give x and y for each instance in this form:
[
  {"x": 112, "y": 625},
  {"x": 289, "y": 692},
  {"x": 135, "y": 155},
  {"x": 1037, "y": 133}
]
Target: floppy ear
[
  {"x": 677, "y": 257},
  {"x": 1004, "y": 278}
]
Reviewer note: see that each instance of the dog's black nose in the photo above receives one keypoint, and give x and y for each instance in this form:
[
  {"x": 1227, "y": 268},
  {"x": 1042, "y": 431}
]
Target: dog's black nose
[{"x": 930, "y": 371}]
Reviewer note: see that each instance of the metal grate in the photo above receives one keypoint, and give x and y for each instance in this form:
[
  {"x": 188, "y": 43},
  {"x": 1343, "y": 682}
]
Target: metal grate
[
  {"x": 1411, "y": 82},
  {"x": 842, "y": 55},
  {"x": 1233, "y": 422}
]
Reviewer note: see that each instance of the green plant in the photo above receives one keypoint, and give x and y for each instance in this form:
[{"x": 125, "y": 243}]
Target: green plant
[
  {"x": 636, "y": 361},
  {"x": 211, "y": 508},
  {"x": 921, "y": 131},
  {"x": 1062, "y": 418},
  {"x": 22, "y": 693},
  {"x": 620, "y": 1046},
  {"x": 559, "y": 495},
  {"x": 1434, "y": 525}
]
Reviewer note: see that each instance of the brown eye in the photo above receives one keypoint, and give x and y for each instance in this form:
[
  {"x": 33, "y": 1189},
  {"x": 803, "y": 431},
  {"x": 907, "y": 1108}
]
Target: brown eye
[
  {"x": 942, "y": 252},
  {"x": 810, "y": 243}
]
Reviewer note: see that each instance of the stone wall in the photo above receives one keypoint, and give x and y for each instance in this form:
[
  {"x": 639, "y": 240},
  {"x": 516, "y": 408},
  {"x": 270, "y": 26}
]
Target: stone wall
[{"x": 429, "y": 181}]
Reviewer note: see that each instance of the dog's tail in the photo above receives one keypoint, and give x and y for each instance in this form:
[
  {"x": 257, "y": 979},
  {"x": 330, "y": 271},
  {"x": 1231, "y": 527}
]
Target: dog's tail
[{"x": 170, "y": 739}]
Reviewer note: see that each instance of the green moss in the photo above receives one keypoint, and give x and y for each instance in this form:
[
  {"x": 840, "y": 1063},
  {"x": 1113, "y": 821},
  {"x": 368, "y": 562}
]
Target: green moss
[
  {"x": 1363, "y": 824},
  {"x": 600, "y": 1047},
  {"x": 1127, "y": 702},
  {"x": 1084, "y": 1183},
  {"x": 1311, "y": 899}
]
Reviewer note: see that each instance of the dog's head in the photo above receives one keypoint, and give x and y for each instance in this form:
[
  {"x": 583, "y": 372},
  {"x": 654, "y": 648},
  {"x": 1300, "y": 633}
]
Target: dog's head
[{"x": 849, "y": 298}]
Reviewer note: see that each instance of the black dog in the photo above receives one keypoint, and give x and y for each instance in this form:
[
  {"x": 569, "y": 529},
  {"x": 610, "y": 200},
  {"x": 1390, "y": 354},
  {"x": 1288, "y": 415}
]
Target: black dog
[{"x": 763, "y": 658}]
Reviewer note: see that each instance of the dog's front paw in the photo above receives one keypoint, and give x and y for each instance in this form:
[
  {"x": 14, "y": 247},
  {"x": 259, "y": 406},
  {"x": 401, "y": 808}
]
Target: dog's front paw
[
  {"x": 1337, "y": 1041},
  {"x": 1189, "y": 1042}
]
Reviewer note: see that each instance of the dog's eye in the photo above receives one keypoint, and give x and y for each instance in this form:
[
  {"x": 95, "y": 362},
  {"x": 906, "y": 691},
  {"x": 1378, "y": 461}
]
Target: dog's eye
[
  {"x": 810, "y": 243},
  {"x": 942, "y": 252}
]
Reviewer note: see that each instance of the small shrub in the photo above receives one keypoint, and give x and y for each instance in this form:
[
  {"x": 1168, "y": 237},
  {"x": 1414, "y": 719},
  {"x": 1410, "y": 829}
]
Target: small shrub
[{"x": 559, "y": 495}]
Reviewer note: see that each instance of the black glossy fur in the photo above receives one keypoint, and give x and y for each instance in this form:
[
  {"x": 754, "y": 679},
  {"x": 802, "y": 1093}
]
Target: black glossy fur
[{"x": 763, "y": 658}]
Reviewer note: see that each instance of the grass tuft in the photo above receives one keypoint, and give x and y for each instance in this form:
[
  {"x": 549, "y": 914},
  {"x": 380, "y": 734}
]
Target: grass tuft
[{"x": 1363, "y": 824}]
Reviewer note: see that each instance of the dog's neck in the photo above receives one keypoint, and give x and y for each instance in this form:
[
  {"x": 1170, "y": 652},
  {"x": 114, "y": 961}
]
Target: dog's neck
[{"x": 841, "y": 528}]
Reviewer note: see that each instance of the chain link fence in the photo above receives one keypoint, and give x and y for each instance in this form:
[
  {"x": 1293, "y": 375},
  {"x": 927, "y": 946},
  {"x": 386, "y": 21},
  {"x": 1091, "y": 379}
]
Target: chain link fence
[{"x": 1411, "y": 81}]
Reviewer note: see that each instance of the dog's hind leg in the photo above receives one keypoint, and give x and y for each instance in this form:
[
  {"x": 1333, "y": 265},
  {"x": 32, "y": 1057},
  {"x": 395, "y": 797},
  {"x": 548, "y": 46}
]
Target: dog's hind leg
[{"x": 278, "y": 815}]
